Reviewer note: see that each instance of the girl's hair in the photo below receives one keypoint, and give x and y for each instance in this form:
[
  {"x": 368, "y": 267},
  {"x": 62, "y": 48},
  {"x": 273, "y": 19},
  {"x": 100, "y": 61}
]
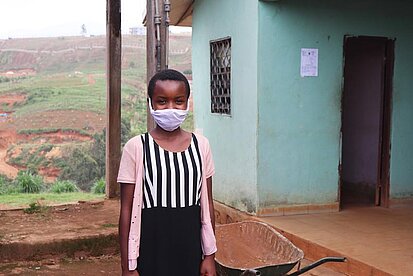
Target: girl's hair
[{"x": 168, "y": 74}]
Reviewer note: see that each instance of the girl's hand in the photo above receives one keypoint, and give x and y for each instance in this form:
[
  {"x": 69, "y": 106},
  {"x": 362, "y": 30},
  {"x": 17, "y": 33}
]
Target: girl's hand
[
  {"x": 208, "y": 266},
  {"x": 130, "y": 273}
]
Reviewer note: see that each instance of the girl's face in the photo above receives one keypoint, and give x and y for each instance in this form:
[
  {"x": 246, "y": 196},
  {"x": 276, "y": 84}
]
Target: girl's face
[{"x": 169, "y": 94}]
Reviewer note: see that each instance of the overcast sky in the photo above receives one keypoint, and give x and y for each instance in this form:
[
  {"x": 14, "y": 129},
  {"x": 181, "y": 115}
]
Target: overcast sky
[{"x": 43, "y": 18}]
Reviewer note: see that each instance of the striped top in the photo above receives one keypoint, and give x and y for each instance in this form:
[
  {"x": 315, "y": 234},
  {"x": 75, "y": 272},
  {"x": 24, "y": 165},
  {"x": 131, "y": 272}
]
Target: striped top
[{"x": 171, "y": 179}]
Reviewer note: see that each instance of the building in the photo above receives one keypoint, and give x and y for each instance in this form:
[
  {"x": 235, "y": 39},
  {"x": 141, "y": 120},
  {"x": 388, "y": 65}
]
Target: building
[
  {"x": 308, "y": 105},
  {"x": 137, "y": 31}
]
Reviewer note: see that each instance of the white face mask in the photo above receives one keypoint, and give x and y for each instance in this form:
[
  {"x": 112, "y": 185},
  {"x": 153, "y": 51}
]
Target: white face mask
[{"x": 168, "y": 119}]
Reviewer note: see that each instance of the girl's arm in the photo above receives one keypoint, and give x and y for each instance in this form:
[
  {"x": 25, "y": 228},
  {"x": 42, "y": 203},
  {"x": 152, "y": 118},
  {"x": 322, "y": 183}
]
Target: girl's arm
[
  {"x": 211, "y": 202},
  {"x": 208, "y": 264},
  {"x": 126, "y": 200}
]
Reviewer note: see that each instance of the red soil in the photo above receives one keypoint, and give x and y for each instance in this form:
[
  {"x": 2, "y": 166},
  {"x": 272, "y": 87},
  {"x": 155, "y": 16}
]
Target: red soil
[{"x": 9, "y": 125}]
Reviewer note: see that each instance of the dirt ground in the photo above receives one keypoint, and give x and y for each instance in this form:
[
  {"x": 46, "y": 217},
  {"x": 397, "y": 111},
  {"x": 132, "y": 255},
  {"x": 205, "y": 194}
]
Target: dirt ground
[
  {"x": 29, "y": 243},
  {"x": 59, "y": 222},
  {"x": 24, "y": 236},
  {"x": 102, "y": 265}
]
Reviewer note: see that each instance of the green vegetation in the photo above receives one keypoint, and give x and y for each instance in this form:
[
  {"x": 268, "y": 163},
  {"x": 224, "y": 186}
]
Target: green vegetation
[
  {"x": 35, "y": 207},
  {"x": 23, "y": 200},
  {"x": 61, "y": 92},
  {"x": 6, "y": 185},
  {"x": 85, "y": 163},
  {"x": 28, "y": 187},
  {"x": 29, "y": 182},
  {"x": 63, "y": 96},
  {"x": 80, "y": 166},
  {"x": 99, "y": 187},
  {"x": 64, "y": 186},
  {"x": 52, "y": 130},
  {"x": 32, "y": 156},
  {"x": 109, "y": 225}
]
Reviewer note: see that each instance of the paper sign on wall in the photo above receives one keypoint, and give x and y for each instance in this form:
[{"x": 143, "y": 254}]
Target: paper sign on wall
[{"x": 309, "y": 62}]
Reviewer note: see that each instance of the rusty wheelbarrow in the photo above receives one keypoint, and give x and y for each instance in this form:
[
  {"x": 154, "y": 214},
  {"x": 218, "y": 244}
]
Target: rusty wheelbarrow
[{"x": 255, "y": 248}]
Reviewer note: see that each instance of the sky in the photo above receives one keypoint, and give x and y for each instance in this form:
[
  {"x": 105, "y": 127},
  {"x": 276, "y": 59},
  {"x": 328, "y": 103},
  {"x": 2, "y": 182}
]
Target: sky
[{"x": 44, "y": 18}]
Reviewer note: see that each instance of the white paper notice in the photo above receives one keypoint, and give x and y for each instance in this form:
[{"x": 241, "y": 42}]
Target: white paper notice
[{"x": 309, "y": 62}]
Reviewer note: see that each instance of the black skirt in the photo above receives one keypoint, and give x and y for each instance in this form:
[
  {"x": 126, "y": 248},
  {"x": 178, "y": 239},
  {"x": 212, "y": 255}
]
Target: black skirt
[{"x": 170, "y": 242}]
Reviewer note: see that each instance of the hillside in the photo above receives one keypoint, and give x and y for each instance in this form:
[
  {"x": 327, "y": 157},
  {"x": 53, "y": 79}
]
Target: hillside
[
  {"x": 63, "y": 54},
  {"x": 53, "y": 99}
]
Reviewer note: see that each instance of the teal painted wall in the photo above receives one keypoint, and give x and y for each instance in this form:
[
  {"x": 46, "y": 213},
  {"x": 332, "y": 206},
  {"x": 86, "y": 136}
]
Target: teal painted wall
[
  {"x": 233, "y": 138},
  {"x": 401, "y": 163},
  {"x": 299, "y": 118}
]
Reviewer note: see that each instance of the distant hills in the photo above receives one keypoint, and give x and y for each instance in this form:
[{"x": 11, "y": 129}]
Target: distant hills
[{"x": 78, "y": 53}]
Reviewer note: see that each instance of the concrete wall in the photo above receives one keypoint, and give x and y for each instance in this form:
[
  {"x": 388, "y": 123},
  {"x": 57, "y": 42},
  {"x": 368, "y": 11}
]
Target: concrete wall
[
  {"x": 299, "y": 118},
  {"x": 233, "y": 138},
  {"x": 401, "y": 163}
]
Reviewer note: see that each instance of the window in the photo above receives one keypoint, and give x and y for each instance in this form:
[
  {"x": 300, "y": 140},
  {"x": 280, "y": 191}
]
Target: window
[{"x": 221, "y": 76}]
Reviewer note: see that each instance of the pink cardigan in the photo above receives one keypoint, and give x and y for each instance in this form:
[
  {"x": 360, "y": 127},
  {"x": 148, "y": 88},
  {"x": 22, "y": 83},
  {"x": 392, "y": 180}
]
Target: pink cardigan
[{"x": 131, "y": 171}]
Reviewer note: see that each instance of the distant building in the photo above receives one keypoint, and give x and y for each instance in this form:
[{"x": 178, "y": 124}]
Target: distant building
[{"x": 137, "y": 31}]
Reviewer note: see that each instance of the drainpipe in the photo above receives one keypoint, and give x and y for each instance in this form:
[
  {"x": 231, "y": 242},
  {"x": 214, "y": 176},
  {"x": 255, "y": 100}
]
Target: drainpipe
[
  {"x": 157, "y": 22},
  {"x": 167, "y": 9}
]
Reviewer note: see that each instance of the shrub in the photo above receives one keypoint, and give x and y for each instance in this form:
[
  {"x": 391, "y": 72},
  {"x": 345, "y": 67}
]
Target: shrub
[
  {"x": 64, "y": 186},
  {"x": 98, "y": 153},
  {"x": 6, "y": 186},
  {"x": 35, "y": 207},
  {"x": 79, "y": 166},
  {"x": 99, "y": 186},
  {"x": 86, "y": 164},
  {"x": 29, "y": 182}
]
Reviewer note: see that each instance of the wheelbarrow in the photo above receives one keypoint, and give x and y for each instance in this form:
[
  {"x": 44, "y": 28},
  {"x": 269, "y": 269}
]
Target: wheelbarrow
[{"x": 254, "y": 248}]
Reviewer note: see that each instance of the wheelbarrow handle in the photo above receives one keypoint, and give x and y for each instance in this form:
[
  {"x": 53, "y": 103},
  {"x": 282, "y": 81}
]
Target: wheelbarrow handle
[{"x": 317, "y": 263}]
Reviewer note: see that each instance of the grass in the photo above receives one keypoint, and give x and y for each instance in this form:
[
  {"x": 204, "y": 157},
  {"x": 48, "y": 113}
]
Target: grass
[
  {"x": 24, "y": 200},
  {"x": 32, "y": 154},
  {"x": 109, "y": 225},
  {"x": 69, "y": 93},
  {"x": 52, "y": 130},
  {"x": 35, "y": 207}
]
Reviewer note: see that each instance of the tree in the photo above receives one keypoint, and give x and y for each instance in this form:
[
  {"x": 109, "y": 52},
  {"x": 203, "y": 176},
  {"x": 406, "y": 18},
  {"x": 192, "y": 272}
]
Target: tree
[{"x": 84, "y": 31}]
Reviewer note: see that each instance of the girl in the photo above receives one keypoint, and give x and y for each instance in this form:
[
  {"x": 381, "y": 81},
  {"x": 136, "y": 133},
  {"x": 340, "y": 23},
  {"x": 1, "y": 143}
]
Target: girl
[{"x": 166, "y": 224}]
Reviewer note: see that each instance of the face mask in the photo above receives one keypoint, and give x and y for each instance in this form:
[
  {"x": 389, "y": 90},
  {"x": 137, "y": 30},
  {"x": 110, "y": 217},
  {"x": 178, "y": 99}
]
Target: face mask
[{"x": 168, "y": 119}]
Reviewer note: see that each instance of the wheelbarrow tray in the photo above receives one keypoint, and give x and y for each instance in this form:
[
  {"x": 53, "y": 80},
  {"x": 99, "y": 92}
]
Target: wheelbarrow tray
[{"x": 254, "y": 245}]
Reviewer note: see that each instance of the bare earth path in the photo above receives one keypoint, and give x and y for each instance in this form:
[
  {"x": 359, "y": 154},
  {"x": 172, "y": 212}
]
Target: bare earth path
[
  {"x": 5, "y": 168},
  {"x": 7, "y": 135}
]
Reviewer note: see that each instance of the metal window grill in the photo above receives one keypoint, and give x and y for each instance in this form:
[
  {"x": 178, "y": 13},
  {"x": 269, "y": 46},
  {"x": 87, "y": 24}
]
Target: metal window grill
[{"x": 221, "y": 76}]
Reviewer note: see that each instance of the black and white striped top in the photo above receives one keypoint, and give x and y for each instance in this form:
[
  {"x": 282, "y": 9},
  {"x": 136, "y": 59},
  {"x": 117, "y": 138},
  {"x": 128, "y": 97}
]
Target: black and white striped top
[{"x": 171, "y": 179}]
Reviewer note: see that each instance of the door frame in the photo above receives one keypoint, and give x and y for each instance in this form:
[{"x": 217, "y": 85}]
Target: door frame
[
  {"x": 383, "y": 196},
  {"x": 383, "y": 182}
]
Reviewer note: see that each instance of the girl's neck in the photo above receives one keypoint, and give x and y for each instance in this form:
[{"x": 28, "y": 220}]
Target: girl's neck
[
  {"x": 174, "y": 141},
  {"x": 161, "y": 134}
]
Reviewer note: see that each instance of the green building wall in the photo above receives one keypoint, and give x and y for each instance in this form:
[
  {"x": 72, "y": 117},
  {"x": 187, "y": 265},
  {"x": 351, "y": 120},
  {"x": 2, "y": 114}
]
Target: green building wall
[
  {"x": 281, "y": 144},
  {"x": 300, "y": 118},
  {"x": 233, "y": 138}
]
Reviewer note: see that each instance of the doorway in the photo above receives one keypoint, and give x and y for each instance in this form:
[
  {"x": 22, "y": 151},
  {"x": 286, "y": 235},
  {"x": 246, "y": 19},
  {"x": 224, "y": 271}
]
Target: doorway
[{"x": 366, "y": 103}]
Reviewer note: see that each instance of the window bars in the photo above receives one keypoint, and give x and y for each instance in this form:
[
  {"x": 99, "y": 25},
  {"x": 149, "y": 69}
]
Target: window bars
[{"x": 221, "y": 76}]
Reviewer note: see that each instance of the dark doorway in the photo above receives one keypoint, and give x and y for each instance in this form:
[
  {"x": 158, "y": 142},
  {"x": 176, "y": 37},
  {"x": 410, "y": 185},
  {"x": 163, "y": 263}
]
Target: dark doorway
[{"x": 366, "y": 120}]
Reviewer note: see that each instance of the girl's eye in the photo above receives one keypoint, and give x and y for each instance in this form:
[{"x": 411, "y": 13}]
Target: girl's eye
[{"x": 161, "y": 101}]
